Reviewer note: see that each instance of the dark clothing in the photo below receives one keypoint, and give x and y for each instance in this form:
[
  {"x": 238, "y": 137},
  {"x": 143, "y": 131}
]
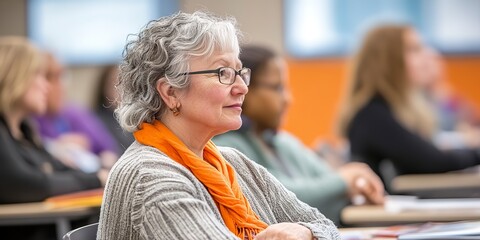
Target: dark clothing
[
  {"x": 123, "y": 138},
  {"x": 28, "y": 173},
  {"x": 375, "y": 135}
]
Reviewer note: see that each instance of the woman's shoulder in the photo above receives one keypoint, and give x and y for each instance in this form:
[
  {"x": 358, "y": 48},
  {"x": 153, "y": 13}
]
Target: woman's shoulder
[
  {"x": 145, "y": 161},
  {"x": 377, "y": 108},
  {"x": 143, "y": 167},
  {"x": 234, "y": 139},
  {"x": 377, "y": 103},
  {"x": 240, "y": 162},
  {"x": 288, "y": 139},
  {"x": 232, "y": 155}
]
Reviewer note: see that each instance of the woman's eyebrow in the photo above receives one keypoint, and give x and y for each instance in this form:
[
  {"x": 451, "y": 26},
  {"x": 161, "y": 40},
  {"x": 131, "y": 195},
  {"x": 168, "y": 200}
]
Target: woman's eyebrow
[
  {"x": 236, "y": 64},
  {"x": 222, "y": 61}
]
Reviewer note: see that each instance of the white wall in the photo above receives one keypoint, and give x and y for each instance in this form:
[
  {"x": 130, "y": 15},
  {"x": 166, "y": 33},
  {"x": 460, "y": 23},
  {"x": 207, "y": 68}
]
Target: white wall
[{"x": 259, "y": 20}]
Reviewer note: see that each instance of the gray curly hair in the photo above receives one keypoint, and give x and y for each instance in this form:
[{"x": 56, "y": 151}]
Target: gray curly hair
[{"x": 162, "y": 50}]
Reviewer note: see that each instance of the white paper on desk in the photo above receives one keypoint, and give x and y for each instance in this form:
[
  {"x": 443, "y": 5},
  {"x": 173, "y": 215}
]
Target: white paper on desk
[
  {"x": 454, "y": 230},
  {"x": 406, "y": 203}
]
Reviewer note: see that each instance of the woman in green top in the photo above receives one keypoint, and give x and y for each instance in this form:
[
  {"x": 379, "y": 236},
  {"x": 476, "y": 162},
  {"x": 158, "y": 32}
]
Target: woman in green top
[{"x": 294, "y": 164}]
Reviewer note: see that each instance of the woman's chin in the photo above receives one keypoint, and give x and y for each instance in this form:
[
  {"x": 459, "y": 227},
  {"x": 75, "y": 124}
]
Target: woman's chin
[
  {"x": 234, "y": 125},
  {"x": 39, "y": 110}
]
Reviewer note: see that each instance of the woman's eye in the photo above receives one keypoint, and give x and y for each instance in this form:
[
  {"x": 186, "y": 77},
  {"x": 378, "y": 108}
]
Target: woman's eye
[{"x": 222, "y": 72}]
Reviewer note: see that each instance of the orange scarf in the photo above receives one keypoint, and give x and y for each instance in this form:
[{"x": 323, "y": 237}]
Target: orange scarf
[{"x": 215, "y": 174}]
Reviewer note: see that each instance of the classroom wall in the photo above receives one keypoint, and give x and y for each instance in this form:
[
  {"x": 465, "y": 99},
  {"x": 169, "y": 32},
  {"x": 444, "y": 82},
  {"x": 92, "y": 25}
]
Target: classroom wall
[
  {"x": 259, "y": 21},
  {"x": 13, "y": 17},
  {"x": 250, "y": 15},
  {"x": 316, "y": 85}
]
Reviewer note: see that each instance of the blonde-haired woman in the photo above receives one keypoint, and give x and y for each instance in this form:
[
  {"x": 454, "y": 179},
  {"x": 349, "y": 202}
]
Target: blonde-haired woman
[
  {"x": 28, "y": 173},
  {"x": 385, "y": 116}
]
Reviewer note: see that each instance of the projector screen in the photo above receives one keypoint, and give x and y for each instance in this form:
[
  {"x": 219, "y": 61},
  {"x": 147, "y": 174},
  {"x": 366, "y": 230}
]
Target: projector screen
[{"x": 90, "y": 32}]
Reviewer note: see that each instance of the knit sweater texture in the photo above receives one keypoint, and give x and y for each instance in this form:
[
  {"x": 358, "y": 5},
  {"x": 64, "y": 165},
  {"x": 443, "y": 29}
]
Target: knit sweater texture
[{"x": 150, "y": 196}]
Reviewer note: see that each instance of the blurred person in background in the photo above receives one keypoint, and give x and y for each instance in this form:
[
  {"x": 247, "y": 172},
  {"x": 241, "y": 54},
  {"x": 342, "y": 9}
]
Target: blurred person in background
[
  {"x": 72, "y": 133},
  {"x": 385, "y": 115},
  {"x": 107, "y": 101},
  {"x": 28, "y": 173},
  {"x": 297, "y": 167},
  {"x": 457, "y": 121}
]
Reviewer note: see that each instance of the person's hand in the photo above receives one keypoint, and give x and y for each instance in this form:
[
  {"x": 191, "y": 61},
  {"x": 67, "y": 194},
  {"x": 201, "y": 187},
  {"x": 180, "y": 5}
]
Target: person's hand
[
  {"x": 108, "y": 159},
  {"x": 76, "y": 139},
  {"x": 102, "y": 175},
  {"x": 362, "y": 181},
  {"x": 470, "y": 135},
  {"x": 285, "y": 231}
]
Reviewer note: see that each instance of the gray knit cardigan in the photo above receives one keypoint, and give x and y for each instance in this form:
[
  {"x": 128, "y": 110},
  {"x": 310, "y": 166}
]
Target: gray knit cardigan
[{"x": 150, "y": 196}]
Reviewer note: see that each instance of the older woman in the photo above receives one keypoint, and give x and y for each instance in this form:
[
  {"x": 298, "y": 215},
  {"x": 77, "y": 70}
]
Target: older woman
[
  {"x": 384, "y": 115},
  {"x": 181, "y": 83}
]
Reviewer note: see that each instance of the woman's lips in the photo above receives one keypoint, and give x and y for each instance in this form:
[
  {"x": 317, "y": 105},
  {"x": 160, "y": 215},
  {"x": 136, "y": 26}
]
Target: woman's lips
[{"x": 235, "y": 106}]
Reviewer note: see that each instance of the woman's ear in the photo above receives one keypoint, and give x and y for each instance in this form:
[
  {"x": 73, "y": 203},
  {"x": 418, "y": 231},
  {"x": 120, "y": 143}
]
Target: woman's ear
[{"x": 167, "y": 93}]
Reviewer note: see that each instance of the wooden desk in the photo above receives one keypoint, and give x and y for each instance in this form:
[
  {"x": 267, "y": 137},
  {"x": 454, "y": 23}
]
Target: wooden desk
[
  {"x": 435, "y": 181},
  {"x": 43, "y": 213},
  {"x": 444, "y": 185},
  {"x": 377, "y": 216}
]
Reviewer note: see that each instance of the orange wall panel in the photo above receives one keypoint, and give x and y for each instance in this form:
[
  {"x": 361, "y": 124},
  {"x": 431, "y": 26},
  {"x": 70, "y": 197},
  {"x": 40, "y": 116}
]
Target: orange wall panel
[
  {"x": 463, "y": 75},
  {"x": 318, "y": 86}
]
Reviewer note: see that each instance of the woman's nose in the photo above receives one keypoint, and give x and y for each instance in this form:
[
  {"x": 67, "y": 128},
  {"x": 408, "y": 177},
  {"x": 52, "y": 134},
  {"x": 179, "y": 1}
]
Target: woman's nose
[{"x": 239, "y": 86}]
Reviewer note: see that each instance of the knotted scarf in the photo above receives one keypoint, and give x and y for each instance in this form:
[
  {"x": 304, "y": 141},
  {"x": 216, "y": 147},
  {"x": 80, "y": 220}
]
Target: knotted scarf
[{"x": 213, "y": 171}]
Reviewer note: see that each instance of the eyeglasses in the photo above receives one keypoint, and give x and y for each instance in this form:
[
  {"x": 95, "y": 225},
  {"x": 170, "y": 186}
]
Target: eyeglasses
[{"x": 227, "y": 75}]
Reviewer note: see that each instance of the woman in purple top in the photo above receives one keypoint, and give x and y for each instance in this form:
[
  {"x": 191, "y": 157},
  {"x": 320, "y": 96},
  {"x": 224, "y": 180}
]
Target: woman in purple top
[
  {"x": 74, "y": 134},
  {"x": 73, "y": 120}
]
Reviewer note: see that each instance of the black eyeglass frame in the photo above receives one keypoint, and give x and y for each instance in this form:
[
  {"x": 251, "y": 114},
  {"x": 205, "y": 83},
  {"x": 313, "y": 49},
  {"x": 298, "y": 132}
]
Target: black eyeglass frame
[{"x": 217, "y": 71}]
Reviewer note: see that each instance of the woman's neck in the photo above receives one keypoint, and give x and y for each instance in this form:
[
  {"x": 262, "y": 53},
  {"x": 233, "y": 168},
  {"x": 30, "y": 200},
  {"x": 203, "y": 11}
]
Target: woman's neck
[
  {"x": 14, "y": 120},
  {"x": 192, "y": 135}
]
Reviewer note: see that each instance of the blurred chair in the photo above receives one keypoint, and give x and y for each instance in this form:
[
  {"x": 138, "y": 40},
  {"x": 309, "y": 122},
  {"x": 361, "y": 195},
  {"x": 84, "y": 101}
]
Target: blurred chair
[{"x": 88, "y": 232}]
